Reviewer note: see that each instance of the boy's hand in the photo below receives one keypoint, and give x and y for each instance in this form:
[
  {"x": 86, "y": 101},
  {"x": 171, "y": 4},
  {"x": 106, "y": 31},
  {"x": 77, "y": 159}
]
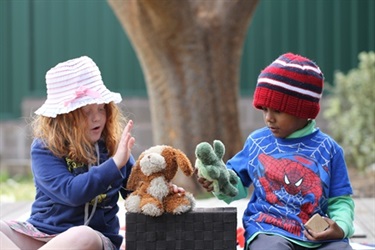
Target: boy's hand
[
  {"x": 333, "y": 232},
  {"x": 206, "y": 184},
  {"x": 212, "y": 172}
]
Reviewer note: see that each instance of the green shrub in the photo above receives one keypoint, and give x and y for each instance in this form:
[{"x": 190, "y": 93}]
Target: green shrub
[{"x": 351, "y": 109}]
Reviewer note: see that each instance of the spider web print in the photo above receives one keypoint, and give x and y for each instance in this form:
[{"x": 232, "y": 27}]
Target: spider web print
[
  {"x": 320, "y": 147},
  {"x": 275, "y": 163}
]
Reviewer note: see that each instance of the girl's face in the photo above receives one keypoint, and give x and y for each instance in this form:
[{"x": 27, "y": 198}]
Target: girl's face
[
  {"x": 96, "y": 117},
  {"x": 282, "y": 124}
]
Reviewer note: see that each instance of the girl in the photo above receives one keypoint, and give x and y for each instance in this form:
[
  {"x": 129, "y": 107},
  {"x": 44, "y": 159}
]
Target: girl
[{"x": 81, "y": 159}]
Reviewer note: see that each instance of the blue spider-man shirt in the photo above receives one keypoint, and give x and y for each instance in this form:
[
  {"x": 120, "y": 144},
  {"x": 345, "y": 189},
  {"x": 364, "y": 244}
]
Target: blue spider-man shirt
[{"x": 292, "y": 178}]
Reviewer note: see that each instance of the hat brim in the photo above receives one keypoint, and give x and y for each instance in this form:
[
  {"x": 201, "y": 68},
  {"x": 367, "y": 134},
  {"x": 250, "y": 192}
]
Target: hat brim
[{"x": 50, "y": 109}]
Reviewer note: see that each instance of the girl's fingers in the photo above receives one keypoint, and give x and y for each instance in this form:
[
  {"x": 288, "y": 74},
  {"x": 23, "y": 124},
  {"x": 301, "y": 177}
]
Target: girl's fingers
[
  {"x": 127, "y": 129},
  {"x": 129, "y": 126},
  {"x": 175, "y": 189},
  {"x": 125, "y": 145},
  {"x": 126, "y": 139},
  {"x": 131, "y": 143}
]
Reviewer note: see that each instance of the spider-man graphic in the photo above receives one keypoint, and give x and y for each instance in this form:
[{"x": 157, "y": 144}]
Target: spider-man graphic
[{"x": 288, "y": 183}]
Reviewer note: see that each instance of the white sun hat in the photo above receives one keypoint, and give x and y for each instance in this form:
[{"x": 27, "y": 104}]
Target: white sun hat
[{"x": 74, "y": 84}]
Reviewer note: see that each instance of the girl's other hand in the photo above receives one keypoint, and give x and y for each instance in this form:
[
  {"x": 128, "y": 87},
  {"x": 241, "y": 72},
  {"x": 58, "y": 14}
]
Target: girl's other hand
[
  {"x": 125, "y": 146},
  {"x": 175, "y": 189}
]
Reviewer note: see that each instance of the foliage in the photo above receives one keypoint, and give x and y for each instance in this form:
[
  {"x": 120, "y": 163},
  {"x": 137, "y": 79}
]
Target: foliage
[
  {"x": 16, "y": 188},
  {"x": 351, "y": 110}
]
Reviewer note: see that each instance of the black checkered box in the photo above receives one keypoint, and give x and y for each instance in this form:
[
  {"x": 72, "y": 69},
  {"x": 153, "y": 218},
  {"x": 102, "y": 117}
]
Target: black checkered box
[{"x": 200, "y": 229}]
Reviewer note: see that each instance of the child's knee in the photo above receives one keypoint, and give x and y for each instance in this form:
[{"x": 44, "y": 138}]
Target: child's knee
[
  {"x": 4, "y": 228},
  {"x": 84, "y": 237}
]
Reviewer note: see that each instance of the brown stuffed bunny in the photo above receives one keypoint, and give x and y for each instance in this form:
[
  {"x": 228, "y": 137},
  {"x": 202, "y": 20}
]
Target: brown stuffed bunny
[{"x": 150, "y": 178}]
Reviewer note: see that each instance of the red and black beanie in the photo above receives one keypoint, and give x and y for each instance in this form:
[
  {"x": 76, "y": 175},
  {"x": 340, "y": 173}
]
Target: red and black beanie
[{"x": 292, "y": 84}]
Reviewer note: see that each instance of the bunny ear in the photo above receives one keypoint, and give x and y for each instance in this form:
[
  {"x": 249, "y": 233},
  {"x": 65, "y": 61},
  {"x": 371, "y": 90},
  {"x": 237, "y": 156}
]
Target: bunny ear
[
  {"x": 136, "y": 177},
  {"x": 184, "y": 163}
]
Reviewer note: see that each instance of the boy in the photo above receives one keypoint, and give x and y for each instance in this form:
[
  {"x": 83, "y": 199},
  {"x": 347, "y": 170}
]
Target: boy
[{"x": 296, "y": 170}]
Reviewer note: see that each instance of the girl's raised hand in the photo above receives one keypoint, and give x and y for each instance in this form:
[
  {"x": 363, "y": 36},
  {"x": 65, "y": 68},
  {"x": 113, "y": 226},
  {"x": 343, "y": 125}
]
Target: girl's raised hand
[{"x": 125, "y": 146}]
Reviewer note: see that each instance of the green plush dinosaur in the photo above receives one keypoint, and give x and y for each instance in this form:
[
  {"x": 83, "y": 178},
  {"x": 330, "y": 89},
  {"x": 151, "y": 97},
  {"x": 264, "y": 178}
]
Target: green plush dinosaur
[{"x": 211, "y": 166}]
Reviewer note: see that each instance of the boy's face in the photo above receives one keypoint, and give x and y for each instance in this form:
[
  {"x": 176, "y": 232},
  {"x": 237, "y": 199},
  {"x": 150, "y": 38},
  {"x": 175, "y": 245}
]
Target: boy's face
[
  {"x": 282, "y": 124},
  {"x": 96, "y": 117}
]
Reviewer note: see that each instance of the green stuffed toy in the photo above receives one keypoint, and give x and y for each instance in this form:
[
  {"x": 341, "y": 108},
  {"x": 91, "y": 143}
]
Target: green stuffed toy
[{"x": 210, "y": 166}]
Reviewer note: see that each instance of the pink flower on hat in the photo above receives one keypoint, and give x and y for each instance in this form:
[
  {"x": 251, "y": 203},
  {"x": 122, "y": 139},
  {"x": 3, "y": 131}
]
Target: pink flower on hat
[{"x": 80, "y": 92}]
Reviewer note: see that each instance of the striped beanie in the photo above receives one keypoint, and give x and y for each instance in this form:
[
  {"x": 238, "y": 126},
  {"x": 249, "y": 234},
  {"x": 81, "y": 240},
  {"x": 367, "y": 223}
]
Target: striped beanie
[
  {"x": 292, "y": 84},
  {"x": 74, "y": 84}
]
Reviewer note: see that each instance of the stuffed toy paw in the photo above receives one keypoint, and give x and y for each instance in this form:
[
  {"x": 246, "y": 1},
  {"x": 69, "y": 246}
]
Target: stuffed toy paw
[{"x": 210, "y": 166}]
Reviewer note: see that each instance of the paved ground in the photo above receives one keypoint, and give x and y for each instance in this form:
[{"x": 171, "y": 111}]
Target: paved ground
[{"x": 364, "y": 237}]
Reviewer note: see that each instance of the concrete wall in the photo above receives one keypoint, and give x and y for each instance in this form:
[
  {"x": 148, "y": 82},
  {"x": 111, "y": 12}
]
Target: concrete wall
[{"x": 15, "y": 136}]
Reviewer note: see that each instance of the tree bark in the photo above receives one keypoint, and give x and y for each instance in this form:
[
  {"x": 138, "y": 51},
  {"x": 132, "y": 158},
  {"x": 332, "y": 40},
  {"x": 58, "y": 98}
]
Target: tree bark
[{"x": 190, "y": 52}]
